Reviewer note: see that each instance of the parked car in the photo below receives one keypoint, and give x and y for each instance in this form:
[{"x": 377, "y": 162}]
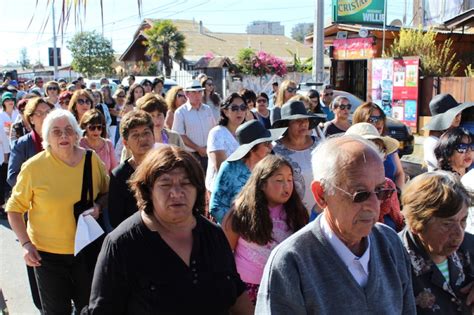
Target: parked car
[
  {"x": 395, "y": 128},
  {"x": 168, "y": 84}
]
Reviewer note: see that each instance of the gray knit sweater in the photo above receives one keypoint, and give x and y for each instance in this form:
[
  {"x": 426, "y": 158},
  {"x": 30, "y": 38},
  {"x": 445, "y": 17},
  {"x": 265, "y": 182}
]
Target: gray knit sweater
[{"x": 304, "y": 275}]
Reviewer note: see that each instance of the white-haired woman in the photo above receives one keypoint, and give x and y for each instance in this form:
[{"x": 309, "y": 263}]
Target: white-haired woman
[{"x": 48, "y": 187}]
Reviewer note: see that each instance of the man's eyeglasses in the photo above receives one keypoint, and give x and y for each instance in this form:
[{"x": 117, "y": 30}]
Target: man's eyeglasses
[
  {"x": 241, "y": 107},
  {"x": 291, "y": 89},
  {"x": 262, "y": 100},
  {"x": 464, "y": 147},
  {"x": 95, "y": 127},
  {"x": 84, "y": 101},
  {"x": 136, "y": 136},
  {"x": 361, "y": 196},
  {"x": 343, "y": 107},
  {"x": 375, "y": 119}
]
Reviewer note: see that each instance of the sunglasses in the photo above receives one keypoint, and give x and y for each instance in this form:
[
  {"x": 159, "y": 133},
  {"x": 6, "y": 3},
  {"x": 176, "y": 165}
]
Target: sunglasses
[
  {"x": 53, "y": 88},
  {"x": 84, "y": 101},
  {"x": 95, "y": 127},
  {"x": 291, "y": 89},
  {"x": 464, "y": 147},
  {"x": 180, "y": 95},
  {"x": 375, "y": 119},
  {"x": 241, "y": 107},
  {"x": 68, "y": 132},
  {"x": 343, "y": 107},
  {"x": 121, "y": 95},
  {"x": 361, "y": 196},
  {"x": 262, "y": 100},
  {"x": 329, "y": 94}
]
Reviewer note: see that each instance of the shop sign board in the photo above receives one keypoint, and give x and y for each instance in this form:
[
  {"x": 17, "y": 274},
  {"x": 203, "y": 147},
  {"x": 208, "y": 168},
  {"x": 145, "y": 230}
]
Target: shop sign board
[{"x": 358, "y": 11}]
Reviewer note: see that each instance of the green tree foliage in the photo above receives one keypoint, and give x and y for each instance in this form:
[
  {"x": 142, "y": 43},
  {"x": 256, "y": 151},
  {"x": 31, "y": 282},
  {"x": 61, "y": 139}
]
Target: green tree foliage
[
  {"x": 301, "y": 30},
  {"x": 435, "y": 60},
  {"x": 164, "y": 43},
  {"x": 244, "y": 60},
  {"x": 92, "y": 54}
]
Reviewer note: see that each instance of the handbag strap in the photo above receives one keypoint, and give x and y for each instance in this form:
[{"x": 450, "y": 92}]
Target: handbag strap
[{"x": 87, "y": 180}]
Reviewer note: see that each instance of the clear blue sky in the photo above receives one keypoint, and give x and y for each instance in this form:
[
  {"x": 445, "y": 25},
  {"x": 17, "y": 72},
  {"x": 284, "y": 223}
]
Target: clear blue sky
[{"x": 121, "y": 20}]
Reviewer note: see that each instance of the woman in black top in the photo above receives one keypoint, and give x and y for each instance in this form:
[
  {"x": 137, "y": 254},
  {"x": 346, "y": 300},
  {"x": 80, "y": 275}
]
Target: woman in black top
[
  {"x": 341, "y": 107},
  {"x": 167, "y": 258}
]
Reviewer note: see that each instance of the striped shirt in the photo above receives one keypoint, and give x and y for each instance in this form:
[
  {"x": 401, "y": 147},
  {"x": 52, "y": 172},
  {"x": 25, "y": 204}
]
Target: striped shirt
[{"x": 443, "y": 267}]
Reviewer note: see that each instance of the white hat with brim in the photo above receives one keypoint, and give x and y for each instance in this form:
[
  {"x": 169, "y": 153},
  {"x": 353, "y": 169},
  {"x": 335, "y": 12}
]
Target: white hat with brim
[
  {"x": 443, "y": 121},
  {"x": 193, "y": 85},
  {"x": 369, "y": 132},
  {"x": 250, "y": 134}
]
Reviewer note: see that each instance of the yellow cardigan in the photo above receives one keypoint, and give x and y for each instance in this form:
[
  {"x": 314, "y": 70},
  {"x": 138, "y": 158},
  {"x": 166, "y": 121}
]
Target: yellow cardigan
[{"x": 47, "y": 189}]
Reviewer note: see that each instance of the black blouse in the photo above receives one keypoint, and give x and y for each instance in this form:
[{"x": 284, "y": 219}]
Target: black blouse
[
  {"x": 122, "y": 202},
  {"x": 138, "y": 273}
]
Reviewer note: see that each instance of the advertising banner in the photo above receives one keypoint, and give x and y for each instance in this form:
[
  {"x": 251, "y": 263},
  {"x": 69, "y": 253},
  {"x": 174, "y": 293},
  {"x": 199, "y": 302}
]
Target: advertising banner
[
  {"x": 358, "y": 11},
  {"x": 395, "y": 88},
  {"x": 354, "y": 48}
]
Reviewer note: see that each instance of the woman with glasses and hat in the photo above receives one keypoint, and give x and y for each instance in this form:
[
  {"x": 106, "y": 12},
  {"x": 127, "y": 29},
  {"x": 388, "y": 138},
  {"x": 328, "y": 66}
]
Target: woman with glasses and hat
[
  {"x": 341, "y": 107},
  {"x": 221, "y": 142},
  {"x": 454, "y": 151},
  {"x": 371, "y": 113},
  {"x": 81, "y": 101},
  {"x": 255, "y": 143},
  {"x": 435, "y": 206},
  {"x": 390, "y": 207},
  {"x": 296, "y": 146},
  {"x": 95, "y": 138},
  {"x": 446, "y": 114},
  {"x": 286, "y": 91}
]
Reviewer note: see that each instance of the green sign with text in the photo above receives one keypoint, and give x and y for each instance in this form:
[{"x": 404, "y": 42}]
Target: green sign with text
[{"x": 358, "y": 11}]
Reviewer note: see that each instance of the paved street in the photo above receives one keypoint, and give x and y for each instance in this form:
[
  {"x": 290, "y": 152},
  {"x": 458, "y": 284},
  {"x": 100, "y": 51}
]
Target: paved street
[{"x": 13, "y": 278}]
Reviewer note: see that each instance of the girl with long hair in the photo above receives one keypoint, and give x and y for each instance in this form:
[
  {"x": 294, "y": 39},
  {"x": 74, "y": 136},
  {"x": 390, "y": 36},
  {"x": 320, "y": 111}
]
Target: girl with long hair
[{"x": 266, "y": 212}]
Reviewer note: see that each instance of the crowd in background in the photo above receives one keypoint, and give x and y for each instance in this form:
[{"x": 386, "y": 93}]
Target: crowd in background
[{"x": 207, "y": 196}]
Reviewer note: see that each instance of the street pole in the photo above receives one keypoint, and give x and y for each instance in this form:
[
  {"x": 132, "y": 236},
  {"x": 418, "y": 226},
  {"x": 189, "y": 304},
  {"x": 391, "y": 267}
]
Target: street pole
[
  {"x": 55, "y": 52},
  {"x": 318, "y": 42},
  {"x": 384, "y": 24}
]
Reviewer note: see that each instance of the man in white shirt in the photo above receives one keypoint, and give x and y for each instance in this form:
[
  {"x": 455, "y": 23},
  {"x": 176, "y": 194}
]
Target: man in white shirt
[
  {"x": 193, "y": 121},
  {"x": 343, "y": 262}
]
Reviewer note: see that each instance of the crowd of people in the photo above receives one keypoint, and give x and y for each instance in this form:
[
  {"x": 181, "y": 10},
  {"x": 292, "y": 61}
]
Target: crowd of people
[{"x": 229, "y": 205}]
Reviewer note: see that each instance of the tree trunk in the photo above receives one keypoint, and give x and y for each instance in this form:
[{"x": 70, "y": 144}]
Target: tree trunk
[{"x": 166, "y": 59}]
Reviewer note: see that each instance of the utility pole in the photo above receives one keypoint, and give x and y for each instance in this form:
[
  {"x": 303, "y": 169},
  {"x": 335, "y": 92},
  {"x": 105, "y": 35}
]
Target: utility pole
[
  {"x": 318, "y": 42},
  {"x": 55, "y": 51},
  {"x": 384, "y": 25}
]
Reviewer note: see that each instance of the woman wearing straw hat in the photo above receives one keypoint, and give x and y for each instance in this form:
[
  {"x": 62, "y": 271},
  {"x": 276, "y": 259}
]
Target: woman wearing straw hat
[
  {"x": 255, "y": 143},
  {"x": 389, "y": 208},
  {"x": 446, "y": 114},
  {"x": 296, "y": 145}
]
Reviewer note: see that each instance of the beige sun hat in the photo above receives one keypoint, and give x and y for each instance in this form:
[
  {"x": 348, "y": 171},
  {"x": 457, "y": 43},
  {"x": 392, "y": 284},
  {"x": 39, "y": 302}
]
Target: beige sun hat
[{"x": 369, "y": 132}]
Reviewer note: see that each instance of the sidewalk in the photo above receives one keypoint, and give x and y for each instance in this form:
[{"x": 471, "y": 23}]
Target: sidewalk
[{"x": 13, "y": 278}]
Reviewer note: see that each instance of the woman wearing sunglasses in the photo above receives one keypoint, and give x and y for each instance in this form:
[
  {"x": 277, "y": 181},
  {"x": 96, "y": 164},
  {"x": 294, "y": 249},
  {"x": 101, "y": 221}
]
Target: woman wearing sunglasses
[
  {"x": 52, "y": 93},
  {"x": 341, "y": 107},
  {"x": 371, "y": 113},
  {"x": 286, "y": 91},
  {"x": 221, "y": 142},
  {"x": 175, "y": 97},
  {"x": 454, "y": 151},
  {"x": 210, "y": 97},
  {"x": 81, "y": 101},
  {"x": 93, "y": 124}
]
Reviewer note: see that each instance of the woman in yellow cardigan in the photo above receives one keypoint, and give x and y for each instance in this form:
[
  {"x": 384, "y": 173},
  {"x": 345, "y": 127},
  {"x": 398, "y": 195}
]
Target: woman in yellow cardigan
[{"x": 48, "y": 186}]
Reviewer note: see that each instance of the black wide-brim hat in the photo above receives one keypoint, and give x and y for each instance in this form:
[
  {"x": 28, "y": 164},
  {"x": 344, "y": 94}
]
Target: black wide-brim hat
[
  {"x": 251, "y": 133},
  {"x": 444, "y": 120},
  {"x": 293, "y": 110}
]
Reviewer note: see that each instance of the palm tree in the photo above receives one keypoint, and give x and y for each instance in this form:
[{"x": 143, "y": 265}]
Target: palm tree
[{"x": 164, "y": 43}]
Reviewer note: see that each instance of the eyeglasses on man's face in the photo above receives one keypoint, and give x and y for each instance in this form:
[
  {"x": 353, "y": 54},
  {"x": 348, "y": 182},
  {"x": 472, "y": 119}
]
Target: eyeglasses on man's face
[{"x": 361, "y": 196}]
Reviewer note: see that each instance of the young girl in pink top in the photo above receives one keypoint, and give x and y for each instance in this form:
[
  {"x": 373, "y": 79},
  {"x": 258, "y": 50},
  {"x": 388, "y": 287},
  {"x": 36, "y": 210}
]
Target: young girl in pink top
[
  {"x": 95, "y": 138},
  {"x": 266, "y": 212}
]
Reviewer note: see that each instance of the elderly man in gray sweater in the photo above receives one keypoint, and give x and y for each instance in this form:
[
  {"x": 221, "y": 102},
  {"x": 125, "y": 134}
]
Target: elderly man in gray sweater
[{"x": 343, "y": 262}]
